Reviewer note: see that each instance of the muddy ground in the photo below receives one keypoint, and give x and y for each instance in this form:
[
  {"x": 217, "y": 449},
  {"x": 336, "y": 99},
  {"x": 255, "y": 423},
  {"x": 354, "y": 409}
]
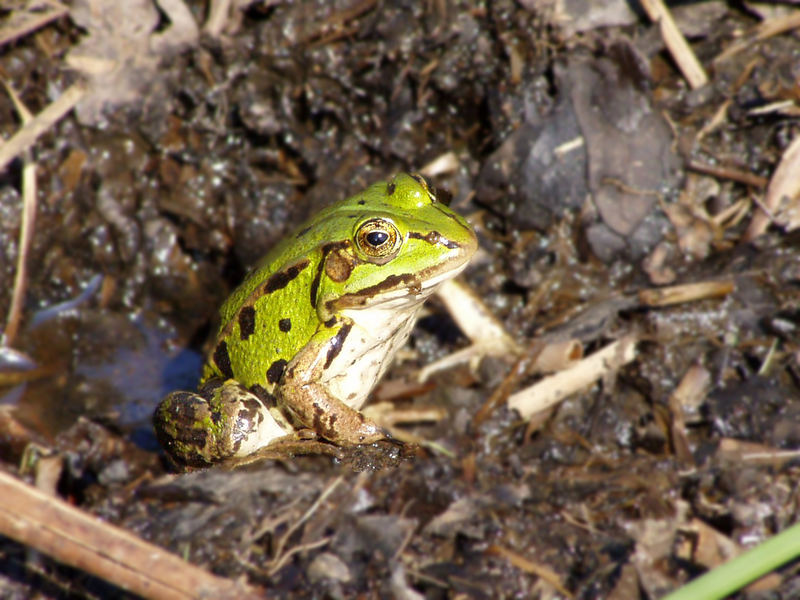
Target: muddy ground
[{"x": 591, "y": 171}]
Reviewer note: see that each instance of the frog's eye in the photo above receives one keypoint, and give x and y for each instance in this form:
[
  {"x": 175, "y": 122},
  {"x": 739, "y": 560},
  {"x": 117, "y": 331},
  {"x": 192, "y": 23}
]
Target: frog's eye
[{"x": 378, "y": 238}]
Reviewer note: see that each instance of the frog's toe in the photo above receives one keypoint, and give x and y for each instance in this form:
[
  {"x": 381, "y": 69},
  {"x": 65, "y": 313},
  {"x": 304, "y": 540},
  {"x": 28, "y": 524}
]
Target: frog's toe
[
  {"x": 370, "y": 432},
  {"x": 306, "y": 434}
]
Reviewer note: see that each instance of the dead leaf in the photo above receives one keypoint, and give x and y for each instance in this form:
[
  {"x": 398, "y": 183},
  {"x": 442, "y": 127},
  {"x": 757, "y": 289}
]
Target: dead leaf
[{"x": 121, "y": 51}]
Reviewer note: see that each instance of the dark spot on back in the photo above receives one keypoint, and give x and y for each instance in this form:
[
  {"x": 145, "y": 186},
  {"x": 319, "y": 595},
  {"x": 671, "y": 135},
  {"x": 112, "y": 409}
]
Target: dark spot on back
[
  {"x": 281, "y": 279},
  {"x": 302, "y": 232},
  {"x": 315, "y": 284},
  {"x": 362, "y": 202},
  {"x": 247, "y": 322},
  {"x": 336, "y": 344},
  {"x": 390, "y": 188},
  {"x": 223, "y": 360},
  {"x": 285, "y": 325},
  {"x": 276, "y": 370}
]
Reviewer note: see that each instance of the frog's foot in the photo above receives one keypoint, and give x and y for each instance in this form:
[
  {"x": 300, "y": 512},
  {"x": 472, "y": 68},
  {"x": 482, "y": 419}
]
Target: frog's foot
[
  {"x": 287, "y": 447},
  {"x": 222, "y": 421},
  {"x": 384, "y": 454}
]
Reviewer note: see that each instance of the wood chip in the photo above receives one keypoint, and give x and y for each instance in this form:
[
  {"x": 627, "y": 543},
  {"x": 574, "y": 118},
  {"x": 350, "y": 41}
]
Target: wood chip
[
  {"x": 552, "y": 390},
  {"x": 478, "y": 323},
  {"x": 530, "y": 566},
  {"x": 684, "y": 403},
  {"x": 741, "y": 451},
  {"x": 782, "y": 201},
  {"x": 691, "y": 393},
  {"x": 711, "y": 547},
  {"x": 441, "y": 165},
  {"x": 687, "y": 292},
  {"x": 737, "y": 175},
  {"x": 557, "y": 356},
  {"x": 219, "y": 15}
]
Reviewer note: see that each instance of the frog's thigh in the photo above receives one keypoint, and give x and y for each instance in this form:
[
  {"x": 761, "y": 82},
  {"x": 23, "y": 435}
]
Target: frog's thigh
[
  {"x": 304, "y": 393},
  {"x": 250, "y": 422},
  {"x": 224, "y": 420}
]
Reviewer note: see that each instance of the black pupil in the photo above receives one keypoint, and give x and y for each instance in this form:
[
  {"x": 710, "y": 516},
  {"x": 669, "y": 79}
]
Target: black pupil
[{"x": 377, "y": 238}]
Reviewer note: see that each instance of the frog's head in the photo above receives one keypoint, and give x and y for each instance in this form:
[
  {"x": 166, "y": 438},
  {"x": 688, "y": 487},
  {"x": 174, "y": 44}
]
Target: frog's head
[{"x": 403, "y": 242}]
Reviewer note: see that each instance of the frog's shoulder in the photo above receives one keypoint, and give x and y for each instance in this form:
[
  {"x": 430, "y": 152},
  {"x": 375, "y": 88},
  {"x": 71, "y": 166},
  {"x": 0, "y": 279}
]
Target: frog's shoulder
[{"x": 277, "y": 270}]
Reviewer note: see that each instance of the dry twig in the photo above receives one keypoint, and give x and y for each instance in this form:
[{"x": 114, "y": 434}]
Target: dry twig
[
  {"x": 686, "y": 292},
  {"x": 551, "y": 390},
  {"x": 280, "y": 556},
  {"x": 473, "y": 317},
  {"x": 765, "y": 30},
  {"x": 30, "y": 132},
  {"x": 21, "y": 23},
  {"x": 218, "y": 17},
  {"x": 676, "y": 44},
  {"x": 542, "y": 357},
  {"x": 737, "y": 175},
  {"x": 85, "y": 542},
  {"x": 25, "y": 231},
  {"x": 531, "y": 567},
  {"x": 740, "y": 451}
]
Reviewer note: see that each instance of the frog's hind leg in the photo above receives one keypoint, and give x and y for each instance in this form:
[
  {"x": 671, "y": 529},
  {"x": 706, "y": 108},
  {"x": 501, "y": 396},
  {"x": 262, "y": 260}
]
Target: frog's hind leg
[{"x": 222, "y": 421}]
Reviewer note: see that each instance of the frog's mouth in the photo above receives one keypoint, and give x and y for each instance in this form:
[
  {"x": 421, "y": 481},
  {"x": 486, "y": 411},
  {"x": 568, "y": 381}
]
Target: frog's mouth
[
  {"x": 399, "y": 291},
  {"x": 443, "y": 275}
]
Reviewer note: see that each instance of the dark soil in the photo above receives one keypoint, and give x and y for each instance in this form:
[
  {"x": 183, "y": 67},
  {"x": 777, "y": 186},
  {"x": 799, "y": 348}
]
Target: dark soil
[{"x": 577, "y": 152}]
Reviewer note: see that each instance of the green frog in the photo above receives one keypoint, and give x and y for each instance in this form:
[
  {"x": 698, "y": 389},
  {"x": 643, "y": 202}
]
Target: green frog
[{"x": 307, "y": 335}]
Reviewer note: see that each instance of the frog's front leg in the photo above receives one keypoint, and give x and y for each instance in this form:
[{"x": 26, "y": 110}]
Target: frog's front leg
[{"x": 304, "y": 391}]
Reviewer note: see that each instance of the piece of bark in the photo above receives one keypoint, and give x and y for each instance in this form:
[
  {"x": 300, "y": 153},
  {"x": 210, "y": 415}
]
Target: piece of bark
[{"x": 85, "y": 542}]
